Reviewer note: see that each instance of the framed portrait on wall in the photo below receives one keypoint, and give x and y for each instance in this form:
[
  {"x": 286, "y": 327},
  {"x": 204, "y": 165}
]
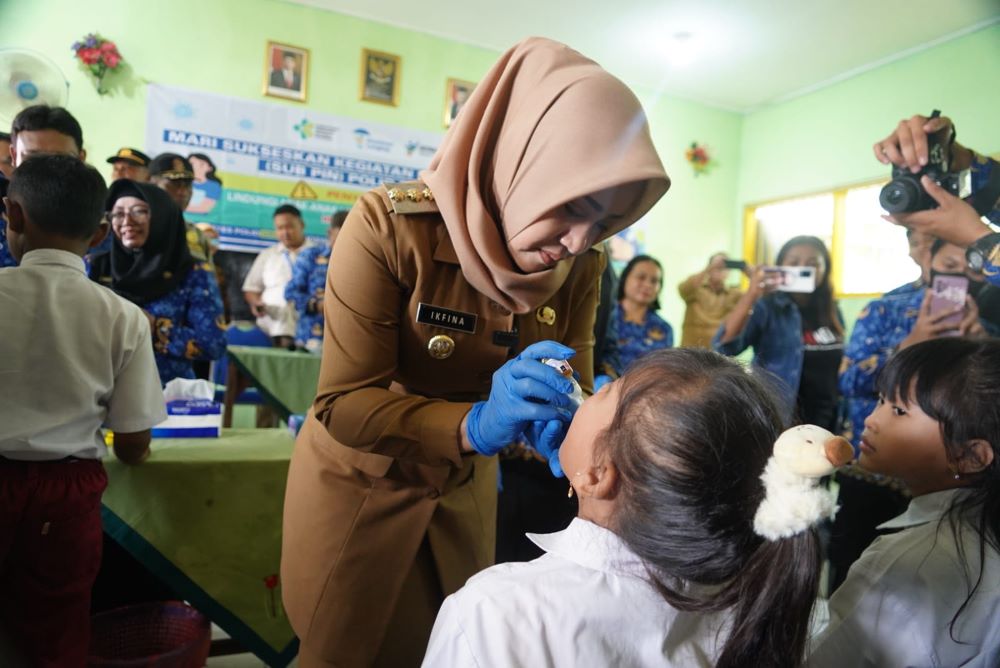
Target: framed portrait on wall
[
  {"x": 380, "y": 77},
  {"x": 286, "y": 71},
  {"x": 456, "y": 92}
]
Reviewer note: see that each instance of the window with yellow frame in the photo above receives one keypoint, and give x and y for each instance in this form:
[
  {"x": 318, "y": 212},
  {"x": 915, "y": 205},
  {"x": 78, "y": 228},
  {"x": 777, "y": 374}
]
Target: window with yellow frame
[{"x": 869, "y": 255}]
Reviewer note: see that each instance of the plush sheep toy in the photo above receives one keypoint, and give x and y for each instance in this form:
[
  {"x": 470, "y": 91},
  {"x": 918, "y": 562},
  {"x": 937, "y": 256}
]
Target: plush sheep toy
[{"x": 793, "y": 499}]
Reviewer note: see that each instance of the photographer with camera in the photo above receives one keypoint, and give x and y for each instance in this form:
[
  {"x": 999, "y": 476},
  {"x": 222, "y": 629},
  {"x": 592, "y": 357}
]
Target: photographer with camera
[{"x": 943, "y": 188}]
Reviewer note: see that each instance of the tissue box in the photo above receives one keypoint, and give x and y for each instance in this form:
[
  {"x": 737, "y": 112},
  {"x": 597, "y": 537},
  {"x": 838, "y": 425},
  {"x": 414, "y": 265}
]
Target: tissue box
[{"x": 191, "y": 418}]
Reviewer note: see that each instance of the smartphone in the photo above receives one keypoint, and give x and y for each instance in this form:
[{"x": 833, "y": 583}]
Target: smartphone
[
  {"x": 947, "y": 294},
  {"x": 736, "y": 264},
  {"x": 792, "y": 279}
]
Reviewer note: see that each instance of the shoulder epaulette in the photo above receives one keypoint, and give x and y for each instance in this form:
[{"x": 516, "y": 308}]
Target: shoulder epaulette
[{"x": 410, "y": 197}]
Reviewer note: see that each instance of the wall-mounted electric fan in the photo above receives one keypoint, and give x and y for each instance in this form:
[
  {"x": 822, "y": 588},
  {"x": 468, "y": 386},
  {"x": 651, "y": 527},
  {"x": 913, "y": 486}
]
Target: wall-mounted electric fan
[{"x": 26, "y": 78}]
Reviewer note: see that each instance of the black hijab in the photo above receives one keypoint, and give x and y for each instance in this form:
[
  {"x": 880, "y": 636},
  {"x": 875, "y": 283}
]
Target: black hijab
[{"x": 164, "y": 261}]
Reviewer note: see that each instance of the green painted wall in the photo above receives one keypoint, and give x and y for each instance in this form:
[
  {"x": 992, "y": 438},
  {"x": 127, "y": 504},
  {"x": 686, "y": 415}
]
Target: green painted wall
[
  {"x": 823, "y": 140},
  {"x": 219, "y": 45},
  {"x": 694, "y": 218}
]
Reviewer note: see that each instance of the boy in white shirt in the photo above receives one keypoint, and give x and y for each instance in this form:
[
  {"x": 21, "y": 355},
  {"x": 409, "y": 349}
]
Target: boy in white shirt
[{"x": 73, "y": 356}]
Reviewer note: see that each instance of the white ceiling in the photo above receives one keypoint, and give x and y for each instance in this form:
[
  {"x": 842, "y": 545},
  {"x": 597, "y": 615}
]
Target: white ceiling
[{"x": 748, "y": 53}]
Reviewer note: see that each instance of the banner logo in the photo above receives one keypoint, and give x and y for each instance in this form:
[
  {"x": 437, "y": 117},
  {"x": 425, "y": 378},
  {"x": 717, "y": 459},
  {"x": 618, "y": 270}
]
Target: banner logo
[{"x": 304, "y": 128}]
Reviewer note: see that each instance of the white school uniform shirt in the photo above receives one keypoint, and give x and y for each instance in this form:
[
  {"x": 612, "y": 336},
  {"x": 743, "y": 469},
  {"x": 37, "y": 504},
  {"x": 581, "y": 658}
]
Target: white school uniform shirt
[
  {"x": 896, "y": 605},
  {"x": 270, "y": 273},
  {"x": 73, "y": 355},
  {"x": 587, "y": 602}
]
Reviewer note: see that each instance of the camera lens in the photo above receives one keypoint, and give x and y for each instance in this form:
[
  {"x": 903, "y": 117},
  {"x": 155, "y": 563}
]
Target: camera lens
[{"x": 898, "y": 196}]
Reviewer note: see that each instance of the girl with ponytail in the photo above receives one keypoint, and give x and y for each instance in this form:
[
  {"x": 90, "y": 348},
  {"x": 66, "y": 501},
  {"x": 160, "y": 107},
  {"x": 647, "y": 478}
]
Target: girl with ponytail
[{"x": 690, "y": 548}]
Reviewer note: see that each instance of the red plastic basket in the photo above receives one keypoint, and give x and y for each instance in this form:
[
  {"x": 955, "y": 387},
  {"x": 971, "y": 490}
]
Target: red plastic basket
[{"x": 164, "y": 634}]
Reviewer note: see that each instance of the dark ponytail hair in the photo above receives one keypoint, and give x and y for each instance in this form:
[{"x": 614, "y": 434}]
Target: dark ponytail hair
[
  {"x": 957, "y": 383},
  {"x": 820, "y": 309},
  {"x": 692, "y": 433}
]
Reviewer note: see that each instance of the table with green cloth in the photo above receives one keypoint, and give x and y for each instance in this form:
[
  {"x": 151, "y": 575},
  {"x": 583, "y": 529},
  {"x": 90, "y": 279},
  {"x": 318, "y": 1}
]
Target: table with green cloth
[
  {"x": 286, "y": 380},
  {"x": 204, "y": 515}
]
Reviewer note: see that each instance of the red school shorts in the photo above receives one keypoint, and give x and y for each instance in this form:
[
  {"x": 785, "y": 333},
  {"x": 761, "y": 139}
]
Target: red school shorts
[{"x": 50, "y": 551}]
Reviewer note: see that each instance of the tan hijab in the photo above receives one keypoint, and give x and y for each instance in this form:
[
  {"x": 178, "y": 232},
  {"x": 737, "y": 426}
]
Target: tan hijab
[{"x": 544, "y": 127}]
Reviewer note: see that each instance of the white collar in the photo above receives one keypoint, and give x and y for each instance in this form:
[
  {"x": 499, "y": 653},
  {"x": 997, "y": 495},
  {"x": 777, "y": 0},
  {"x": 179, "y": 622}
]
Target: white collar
[
  {"x": 923, "y": 509},
  {"x": 43, "y": 256},
  {"x": 282, "y": 248},
  {"x": 592, "y": 546}
]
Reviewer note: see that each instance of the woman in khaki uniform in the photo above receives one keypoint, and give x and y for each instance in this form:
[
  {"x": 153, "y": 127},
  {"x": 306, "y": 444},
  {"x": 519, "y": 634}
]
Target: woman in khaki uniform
[{"x": 433, "y": 286}]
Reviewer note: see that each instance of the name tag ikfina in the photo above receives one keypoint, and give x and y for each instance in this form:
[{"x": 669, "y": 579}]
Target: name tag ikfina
[{"x": 436, "y": 316}]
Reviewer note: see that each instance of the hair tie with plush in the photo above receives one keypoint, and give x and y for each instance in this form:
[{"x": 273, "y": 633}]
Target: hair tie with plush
[{"x": 793, "y": 500}]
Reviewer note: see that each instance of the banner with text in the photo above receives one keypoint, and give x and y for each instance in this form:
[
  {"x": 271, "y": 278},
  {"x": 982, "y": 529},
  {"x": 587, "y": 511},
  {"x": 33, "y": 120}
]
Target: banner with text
[{"x": 270, "y": 154}]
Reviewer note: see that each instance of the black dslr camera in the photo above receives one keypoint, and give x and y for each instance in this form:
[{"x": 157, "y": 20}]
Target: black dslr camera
[{"x": 904, "y": 193}]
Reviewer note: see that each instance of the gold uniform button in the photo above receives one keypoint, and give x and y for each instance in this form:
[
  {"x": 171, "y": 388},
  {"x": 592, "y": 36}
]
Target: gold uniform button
[
  {"x": 441, "y": 347},
  {"x": 395, "y": 194},
  {"x": 546, "y": 315}
]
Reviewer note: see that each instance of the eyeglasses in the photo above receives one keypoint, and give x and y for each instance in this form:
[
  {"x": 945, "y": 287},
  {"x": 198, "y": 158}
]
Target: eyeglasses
[{"x": 139, "y": 214}]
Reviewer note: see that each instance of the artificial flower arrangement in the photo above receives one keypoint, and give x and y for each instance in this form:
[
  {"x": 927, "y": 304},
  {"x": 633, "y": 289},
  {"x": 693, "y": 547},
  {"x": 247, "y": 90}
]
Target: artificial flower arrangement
[
  {"x": 697, "y": 155},
  {"x": 98, "y": 56}
]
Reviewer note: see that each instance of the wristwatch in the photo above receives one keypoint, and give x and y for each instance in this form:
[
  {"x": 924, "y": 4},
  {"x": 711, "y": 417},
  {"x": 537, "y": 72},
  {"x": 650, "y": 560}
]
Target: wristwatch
[{"x": 976, "y": 254}]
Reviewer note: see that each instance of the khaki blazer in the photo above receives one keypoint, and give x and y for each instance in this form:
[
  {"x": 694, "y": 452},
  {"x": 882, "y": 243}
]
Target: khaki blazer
[
  {"x": 706, "y": 309},
  {"x": 377, "y": 471}
]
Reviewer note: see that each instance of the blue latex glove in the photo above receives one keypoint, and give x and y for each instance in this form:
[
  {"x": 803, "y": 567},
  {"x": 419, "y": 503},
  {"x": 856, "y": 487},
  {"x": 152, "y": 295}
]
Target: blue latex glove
[
  {"x": 601, "y": 381},
  {"x": 524, "y": 391},
  {"x": 546, "y": 437}
]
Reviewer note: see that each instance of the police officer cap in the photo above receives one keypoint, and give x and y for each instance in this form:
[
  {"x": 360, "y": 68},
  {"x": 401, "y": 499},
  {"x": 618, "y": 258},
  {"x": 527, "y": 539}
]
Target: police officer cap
[
  {"x": 172, "y": 167},
  {"x": 132, "y": 155}
]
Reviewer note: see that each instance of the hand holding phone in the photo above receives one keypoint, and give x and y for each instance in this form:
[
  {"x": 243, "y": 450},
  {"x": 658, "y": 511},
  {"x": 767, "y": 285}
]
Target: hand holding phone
[
  {"x": 792, "y": 279},
  {"x": 943, "y": 322},
  {"x": 762, "y": 283},
  {"x": 736, "y": 264},
  {"x": 948, "y": 298}
]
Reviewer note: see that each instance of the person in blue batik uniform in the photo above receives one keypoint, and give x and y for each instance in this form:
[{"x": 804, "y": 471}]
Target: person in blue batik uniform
[
  {"x": 6, "y": 259},
  {"x": 634, "y": 325},
  {"x": 305, "y": 290},
  {"x": 878, "y": 332},
  {"x": 6, "y": 169},
  {"x": 150, "y": 264},
  {"x": 898, "y": 321}
]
